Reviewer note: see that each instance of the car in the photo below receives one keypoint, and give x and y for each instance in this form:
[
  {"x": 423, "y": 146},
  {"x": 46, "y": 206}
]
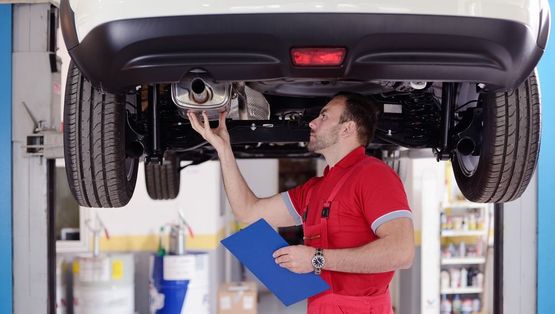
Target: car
[{"x": 455, "y": 77}]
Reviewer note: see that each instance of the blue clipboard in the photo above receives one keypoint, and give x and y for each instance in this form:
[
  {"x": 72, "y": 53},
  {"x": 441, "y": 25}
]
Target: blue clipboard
[{"x": 254, "y": 246}]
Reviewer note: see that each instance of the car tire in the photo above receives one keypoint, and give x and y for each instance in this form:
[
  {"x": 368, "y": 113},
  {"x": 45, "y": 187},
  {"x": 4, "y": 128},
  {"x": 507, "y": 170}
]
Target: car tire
[
  {"x": 510, "y": 146},
  {"x": 162, "y": 180},
  {"x": 98, "y": 170}
]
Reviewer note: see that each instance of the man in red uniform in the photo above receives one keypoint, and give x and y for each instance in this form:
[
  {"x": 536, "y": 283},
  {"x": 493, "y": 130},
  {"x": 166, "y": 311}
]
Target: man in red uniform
[{"x": 356, "y": 219}]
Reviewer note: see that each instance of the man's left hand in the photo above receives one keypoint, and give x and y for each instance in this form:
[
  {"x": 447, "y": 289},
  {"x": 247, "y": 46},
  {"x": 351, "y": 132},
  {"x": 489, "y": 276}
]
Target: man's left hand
[{"x": 296, "y": 258}]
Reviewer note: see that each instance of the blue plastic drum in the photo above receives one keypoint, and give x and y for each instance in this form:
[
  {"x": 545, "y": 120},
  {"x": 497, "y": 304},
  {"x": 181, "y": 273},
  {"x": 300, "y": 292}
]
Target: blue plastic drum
[{"x": 169, "y": 295}]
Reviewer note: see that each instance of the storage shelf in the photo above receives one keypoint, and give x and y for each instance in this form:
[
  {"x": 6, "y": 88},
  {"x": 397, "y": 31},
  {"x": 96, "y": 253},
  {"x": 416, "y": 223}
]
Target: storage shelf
[
  {"x": 463, "y": 260},
  {"x": 465, "y": 204},
  {"x": 468, "y": 290},
  {"x": 462, "y": 233}
]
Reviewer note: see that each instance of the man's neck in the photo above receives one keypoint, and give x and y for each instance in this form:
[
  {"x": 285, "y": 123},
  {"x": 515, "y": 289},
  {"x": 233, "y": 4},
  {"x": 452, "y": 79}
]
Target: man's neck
[{"x": 335, "y": 153}]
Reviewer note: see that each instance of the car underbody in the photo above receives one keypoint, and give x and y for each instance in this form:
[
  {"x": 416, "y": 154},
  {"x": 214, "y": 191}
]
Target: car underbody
[{"x": 463, "y": 86}]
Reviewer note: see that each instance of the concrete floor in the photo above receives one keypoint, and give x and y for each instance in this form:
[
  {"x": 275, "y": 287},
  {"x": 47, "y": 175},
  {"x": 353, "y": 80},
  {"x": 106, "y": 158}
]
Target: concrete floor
[{"x": 269, "y": 304}]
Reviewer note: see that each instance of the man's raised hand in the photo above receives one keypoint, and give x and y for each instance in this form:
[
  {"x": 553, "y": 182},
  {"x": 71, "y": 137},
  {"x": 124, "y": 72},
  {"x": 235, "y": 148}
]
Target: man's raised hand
[{"x": 218, "y": 137}]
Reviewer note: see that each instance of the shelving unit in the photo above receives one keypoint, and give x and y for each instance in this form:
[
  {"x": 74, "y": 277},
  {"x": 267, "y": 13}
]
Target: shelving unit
[
  {"x": 450, "y": 220},
  {"x": 464, "y": 237},
  {"x": 463, "y": 261},
  {"x": 470, "y": 290},
  {"x": 463, "y": 233}
]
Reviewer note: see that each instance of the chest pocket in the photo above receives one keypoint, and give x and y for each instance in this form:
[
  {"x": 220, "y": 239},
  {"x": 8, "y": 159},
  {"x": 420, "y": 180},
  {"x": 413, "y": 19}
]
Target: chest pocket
[{"x": 335, "y": 221}]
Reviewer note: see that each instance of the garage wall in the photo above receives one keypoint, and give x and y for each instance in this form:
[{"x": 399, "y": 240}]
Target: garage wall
[
  {"x": 6, "y": 303},
  {"x": 546, "y": 180},
  {"x": 201, "y": 199},
  {"x": 136, "y": 226}
]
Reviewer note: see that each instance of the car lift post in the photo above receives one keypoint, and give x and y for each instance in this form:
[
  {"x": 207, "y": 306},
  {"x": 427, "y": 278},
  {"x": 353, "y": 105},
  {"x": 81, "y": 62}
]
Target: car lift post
[{"x": 36, "y": 142}]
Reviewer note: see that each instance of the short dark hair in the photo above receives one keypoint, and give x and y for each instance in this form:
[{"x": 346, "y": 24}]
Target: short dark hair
[{"x": 361, "y": 110}]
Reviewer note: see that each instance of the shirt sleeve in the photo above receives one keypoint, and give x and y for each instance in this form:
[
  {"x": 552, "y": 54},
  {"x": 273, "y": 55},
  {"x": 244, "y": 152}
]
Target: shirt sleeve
[
  {"x": 383, "y": 196},
  {"x": 296, "y": 199}
]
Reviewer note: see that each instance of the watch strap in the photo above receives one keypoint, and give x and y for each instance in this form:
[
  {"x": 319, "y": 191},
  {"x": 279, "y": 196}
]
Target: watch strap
[{"x": 318, "y": 268}]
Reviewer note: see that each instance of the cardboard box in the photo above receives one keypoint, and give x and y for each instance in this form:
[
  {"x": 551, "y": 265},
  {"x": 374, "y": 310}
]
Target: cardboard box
[{"x": 237, "y": 298}]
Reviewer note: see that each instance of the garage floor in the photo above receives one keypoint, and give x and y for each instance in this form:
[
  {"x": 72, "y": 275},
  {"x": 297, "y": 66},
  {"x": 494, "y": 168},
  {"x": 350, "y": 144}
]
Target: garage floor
[{"x": 269, "y": 304}]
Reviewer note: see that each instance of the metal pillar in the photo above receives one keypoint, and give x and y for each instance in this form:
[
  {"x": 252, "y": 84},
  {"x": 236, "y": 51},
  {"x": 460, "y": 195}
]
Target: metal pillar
[
  {"x": 498, "y": 259},
  {"x": 35, "y": 107},
  {"x": 518, "y": 253},
  {"x": 6, "y": 292},
  {"x": 546, "y": 176}
]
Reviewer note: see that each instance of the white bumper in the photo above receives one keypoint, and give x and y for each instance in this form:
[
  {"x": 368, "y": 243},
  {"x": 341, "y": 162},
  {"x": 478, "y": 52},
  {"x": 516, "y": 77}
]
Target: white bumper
[{"x": 91, "y": 13}]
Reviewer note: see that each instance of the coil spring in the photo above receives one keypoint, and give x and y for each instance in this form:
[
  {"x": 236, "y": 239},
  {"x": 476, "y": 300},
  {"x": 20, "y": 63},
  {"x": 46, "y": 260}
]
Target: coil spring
[{"x": 422, "y": 116}]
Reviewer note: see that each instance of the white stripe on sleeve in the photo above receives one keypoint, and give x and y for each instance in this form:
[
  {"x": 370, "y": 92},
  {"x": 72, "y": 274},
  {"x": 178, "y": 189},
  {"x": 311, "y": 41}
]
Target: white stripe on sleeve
[
  {"x": 294, "y": 213},
  {"x": 390, "y": 216}
]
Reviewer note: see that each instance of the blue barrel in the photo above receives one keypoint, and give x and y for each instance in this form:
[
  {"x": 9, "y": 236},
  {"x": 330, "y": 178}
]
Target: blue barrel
[{"x": 173, "y": 291}]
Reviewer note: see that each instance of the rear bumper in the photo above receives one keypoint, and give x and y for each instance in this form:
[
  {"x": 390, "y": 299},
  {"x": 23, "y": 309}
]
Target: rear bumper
[{"x": 251, "y": 47}]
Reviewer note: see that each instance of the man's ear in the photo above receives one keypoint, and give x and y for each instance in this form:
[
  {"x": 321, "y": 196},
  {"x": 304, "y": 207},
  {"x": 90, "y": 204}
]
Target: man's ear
[{"x": 349, "y": 129}]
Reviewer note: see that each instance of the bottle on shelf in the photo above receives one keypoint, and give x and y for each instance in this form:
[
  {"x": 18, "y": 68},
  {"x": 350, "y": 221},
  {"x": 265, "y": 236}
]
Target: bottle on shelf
[
  {"x": 445, "y": 280},
  {"x": 464, "y": 277},
  {"x": 479, "y": 248},
  {"x": 472, "y": 222},
  {"x": 455, "y": 278},
  {"x": 445, "y": 307},
  {"x": 466, "y": 307},
  {"x": 464, "y": 223},
  {"x": 452, "y": 250},
  {"x": 480, "y": 279},
  {"x": 462, "y": 249},
  {"x": 457, "y": 304},
  {"x": 471, "y": 274},
  {"x": 476, "y": 305}
]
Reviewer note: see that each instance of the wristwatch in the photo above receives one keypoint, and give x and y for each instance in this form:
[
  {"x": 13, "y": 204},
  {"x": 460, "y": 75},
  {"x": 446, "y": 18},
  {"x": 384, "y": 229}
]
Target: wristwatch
[{"x": 318, "y": 261}]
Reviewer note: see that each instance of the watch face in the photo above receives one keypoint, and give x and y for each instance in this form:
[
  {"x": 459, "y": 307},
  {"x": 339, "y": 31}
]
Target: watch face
[{"x": 318, "y": 261}]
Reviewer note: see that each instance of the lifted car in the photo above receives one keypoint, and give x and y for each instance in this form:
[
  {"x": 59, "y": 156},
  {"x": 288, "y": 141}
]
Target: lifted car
[{"x": 456, "y": 78}]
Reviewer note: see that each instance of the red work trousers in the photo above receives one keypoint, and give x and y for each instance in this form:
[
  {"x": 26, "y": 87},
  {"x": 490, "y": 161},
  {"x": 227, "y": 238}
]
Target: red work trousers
[{"x": 342, "y": 304}]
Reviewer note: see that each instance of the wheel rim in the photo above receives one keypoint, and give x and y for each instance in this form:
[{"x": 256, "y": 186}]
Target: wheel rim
[
  {"x": 467, "y": 163},
  {"x": 130, "y": 168}
]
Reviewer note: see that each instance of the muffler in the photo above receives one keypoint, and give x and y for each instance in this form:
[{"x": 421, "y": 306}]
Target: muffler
[{"x": 200, "y": 93}]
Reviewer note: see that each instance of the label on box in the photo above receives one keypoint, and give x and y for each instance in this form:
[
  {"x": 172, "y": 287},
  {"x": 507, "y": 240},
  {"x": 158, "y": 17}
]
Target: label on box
[
  {"x": 248, "y": 302},
  {"x": 179, "y": 267},
  {"x": 94, "y": 269},
  {"x": 225, "y": 303},
  {"x": 117, "y": 269}
]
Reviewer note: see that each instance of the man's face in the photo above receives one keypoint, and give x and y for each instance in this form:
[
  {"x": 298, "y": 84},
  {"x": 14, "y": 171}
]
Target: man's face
[{"x": 324, "y": 130}]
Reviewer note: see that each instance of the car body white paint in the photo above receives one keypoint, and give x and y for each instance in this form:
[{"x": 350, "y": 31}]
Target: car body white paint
[{"x": 92, "y": 13}]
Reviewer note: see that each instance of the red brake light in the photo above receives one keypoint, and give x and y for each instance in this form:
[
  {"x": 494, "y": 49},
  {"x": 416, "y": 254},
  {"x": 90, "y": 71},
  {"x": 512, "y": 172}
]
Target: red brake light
[{"x": 318, "y": 56}]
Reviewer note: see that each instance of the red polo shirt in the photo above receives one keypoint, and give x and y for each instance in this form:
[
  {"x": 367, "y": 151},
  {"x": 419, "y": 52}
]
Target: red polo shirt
[{"x": 371, "y": 196}]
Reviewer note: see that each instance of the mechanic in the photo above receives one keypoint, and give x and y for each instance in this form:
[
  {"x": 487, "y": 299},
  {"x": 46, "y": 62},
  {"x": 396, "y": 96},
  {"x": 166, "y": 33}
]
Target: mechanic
[{"x": 356, "y": 219}]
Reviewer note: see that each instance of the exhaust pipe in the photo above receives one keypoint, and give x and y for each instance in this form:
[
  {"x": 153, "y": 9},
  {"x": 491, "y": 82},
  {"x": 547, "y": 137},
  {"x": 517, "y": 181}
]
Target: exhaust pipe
[
  {"x": 466, "y": 146},
  {"x": 200, "y": 92}
]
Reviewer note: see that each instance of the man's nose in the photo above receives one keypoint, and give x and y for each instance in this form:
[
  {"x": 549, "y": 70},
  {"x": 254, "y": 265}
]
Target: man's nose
[{"x": 312, "y": 124}]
